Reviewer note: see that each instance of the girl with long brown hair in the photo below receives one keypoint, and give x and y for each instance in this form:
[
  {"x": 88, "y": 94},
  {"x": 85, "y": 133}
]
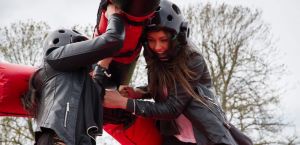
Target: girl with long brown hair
[{"x": 177, "y": 77}]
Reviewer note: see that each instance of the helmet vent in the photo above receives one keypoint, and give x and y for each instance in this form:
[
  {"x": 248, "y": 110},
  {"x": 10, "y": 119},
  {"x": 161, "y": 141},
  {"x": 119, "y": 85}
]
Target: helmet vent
[
  {"x": 61, "y": 31},
  {"x": 176, "y": 9},
  {"x": 55, "y": 41},
  {"x": 158, "y": 9},
  {"x": 170, "y": 17}
]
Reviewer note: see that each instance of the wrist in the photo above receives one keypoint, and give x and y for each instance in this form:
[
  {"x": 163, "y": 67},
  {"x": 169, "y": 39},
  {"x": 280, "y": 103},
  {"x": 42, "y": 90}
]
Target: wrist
[
  {"x": 100, "y": 70},
  {"x": 138, "y": 93},
  {"x": 131, "y": 106},
  {"x": 123, "y": 103}
]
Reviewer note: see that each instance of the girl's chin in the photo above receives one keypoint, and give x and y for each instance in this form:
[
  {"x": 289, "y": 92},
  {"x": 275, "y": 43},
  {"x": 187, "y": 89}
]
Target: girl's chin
[{"x": 163, "y": 58}]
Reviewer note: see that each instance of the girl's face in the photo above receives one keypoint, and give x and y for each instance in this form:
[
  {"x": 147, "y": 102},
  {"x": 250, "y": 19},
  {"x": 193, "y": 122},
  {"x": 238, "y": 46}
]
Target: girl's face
[{"x": 158, "y": 42}]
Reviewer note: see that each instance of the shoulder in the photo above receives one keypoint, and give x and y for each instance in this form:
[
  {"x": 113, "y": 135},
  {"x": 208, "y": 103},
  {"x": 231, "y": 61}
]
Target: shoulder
[{"x": 195, "y": 60}]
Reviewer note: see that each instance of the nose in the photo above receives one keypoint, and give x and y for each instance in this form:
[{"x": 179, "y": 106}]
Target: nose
[{"x": 158, "y": 47}]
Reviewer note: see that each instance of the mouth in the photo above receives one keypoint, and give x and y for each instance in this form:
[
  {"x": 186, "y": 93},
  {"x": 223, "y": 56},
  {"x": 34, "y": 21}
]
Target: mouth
[{"x": 162, "y": 56}]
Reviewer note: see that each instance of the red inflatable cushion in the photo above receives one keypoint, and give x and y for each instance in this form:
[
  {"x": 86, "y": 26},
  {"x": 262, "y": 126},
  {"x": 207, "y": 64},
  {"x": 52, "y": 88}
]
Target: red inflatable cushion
[
  {"x": 142, "y": 132},
  {"x": 13, "y": 84}
]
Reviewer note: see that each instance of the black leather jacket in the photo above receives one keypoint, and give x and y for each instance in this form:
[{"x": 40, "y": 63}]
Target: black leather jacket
[
  {"x": 208, "y": 129},
  {"x": 64, "y": 81}
]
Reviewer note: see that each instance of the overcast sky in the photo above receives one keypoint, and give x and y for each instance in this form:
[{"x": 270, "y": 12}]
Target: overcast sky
[{"x": 282, "y": 15}]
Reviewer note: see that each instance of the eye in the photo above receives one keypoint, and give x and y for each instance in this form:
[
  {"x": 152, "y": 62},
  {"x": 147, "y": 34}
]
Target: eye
[
  {"x": 164, "y": 40},
  {"x": 150, "y": 39}
]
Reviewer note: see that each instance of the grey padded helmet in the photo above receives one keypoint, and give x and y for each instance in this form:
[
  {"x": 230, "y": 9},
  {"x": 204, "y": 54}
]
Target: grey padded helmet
[
  {"x": 169, "y": 17},
  {"x": 62, "y": 37}
]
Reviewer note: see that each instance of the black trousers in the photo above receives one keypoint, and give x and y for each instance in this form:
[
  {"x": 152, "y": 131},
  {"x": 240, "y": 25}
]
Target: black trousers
[{"x": 172, "y": 140}]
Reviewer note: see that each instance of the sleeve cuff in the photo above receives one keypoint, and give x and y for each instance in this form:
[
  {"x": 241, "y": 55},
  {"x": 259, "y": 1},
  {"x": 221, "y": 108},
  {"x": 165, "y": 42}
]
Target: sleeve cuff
[{"x": 130, "y": 106}]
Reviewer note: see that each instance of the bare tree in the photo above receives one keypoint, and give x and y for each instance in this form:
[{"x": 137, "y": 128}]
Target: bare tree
[
  {"x": 243, "y": 63},
  {"x": 21, "y": 43}
]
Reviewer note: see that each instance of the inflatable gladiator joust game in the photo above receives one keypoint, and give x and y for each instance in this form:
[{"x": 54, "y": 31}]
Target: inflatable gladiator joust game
[{"x": 14, "y": 78}]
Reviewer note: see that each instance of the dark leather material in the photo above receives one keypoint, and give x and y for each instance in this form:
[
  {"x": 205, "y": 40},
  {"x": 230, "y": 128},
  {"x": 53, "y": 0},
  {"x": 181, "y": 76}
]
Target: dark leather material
[
  {"x": 81, "y": 54},
  {"x": 66, "y": 82},
  {"x": 239, "y": 137},
  {"x": 208, "y": 129},
  {"x": 214, "y": 106}
]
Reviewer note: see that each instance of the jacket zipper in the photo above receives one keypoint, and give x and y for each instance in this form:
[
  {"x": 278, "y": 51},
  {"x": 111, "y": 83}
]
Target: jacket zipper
[{"x": 66, "y": 114}]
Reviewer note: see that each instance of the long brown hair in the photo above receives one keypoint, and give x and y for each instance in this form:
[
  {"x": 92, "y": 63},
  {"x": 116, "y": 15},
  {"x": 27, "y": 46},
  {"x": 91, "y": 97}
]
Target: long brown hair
[
  {"x": 165, "y": 74},
  {"x": 30, "y": 100}
]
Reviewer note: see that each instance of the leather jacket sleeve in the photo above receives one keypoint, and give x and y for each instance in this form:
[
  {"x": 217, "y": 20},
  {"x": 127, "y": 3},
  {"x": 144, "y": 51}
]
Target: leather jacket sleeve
[
  {"x": 166, "y": 110},
  {"x": 198, "y": 65},
  {"x": 81, "y": 54},
  {"x": 178, "y": 98}
]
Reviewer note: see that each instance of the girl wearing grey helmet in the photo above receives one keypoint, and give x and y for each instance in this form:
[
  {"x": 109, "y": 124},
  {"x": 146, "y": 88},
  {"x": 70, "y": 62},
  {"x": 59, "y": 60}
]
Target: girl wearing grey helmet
[
  {"x": 178, "y": 81},
  {"x": 62, "y": 95}
]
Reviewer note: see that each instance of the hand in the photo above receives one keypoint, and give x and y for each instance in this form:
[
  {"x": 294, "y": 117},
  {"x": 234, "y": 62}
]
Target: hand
[
  {"x": 101, "y": 75},
  {"x": 113, "y": 99},
  {"x": 105, "y": 62},
  {"x": 130, "y": 92},
  {"x": 111, "y": 9}
]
